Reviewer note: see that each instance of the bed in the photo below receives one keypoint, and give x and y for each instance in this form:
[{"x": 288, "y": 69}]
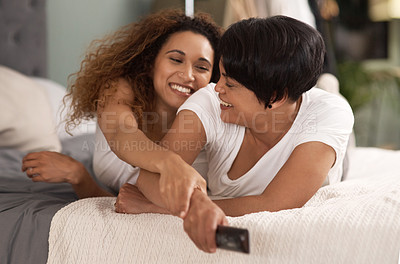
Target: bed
[{"x": 355, "y": 221}]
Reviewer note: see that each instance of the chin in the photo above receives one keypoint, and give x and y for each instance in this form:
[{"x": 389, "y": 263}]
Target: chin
[
  {"x": 226, "y": 118},
  {"x": 175, "y": 105}
]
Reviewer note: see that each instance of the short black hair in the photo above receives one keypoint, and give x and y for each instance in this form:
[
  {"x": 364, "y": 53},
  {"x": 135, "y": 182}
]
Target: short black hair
[{"x": 273, "y": 56}]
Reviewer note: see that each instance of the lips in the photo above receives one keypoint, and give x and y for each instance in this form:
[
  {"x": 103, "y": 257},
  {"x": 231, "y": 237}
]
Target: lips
[
  {"x": 223, "y": 103},
  {"x": 182, "y": 89}
]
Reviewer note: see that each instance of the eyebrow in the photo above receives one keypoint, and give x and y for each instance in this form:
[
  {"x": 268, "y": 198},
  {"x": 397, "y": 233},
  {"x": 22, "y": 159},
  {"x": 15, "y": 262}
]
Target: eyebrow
[
  {"x": 227, "y": 77},
  {"x": 175, "y": 50},
  {"x": 183, "y": 53}
]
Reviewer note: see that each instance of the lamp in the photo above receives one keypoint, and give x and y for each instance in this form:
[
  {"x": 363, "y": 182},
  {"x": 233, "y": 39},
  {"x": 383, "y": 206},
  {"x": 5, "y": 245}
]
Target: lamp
[
  {"x": 384, "y": 10},
  {"x": 388, "y": 10}
]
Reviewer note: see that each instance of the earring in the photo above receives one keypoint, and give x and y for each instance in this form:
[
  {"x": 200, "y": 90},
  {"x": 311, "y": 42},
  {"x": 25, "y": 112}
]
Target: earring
[{"x": 269, "y": 106}]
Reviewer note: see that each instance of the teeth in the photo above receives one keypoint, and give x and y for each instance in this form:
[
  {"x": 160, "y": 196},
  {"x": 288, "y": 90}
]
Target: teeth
[
  {"x": 180, "y": 88},
  {"x": 224, "y": 103}
]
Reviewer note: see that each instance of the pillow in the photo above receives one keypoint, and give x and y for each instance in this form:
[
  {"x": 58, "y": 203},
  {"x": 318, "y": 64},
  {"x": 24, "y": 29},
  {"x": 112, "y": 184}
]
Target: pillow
[
  {"x": 26, "y": 121},
  {"x": 56, "y": 93}
]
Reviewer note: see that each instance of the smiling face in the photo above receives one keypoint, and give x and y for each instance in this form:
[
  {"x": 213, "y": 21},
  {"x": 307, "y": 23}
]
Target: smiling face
[
  {"x": 239, "y": 105},
  {"x": 183, "y": 65}
]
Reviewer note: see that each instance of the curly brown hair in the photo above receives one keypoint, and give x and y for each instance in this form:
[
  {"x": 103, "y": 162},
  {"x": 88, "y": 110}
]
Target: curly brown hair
[{"x": 130, "y": 53}]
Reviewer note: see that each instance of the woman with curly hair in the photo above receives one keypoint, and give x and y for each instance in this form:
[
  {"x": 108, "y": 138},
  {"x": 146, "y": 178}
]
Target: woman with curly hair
[{"x": 134, "y": 81}]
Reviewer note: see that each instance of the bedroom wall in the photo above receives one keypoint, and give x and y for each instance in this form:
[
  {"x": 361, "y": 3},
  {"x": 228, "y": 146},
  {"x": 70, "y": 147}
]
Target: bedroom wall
[{"x": 73, "y": 24}]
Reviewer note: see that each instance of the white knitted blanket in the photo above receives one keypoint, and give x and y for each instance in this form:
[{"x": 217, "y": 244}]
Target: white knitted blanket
[{"x": 356, "y": 221}]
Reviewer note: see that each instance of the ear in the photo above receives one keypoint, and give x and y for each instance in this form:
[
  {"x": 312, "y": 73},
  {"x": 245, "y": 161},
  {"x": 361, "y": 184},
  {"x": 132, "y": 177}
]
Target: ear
[{"x": 278, "y": 103}]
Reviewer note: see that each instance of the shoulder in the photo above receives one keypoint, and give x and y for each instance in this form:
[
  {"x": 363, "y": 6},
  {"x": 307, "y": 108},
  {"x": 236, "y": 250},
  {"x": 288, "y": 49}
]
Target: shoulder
[
  {"x": 123, "y": 88},
  {"x": 317, "y": 97},
  {"x": 322, "y": 102},
  {"x": 326, "y": 111},
  {"x": 204, "y": 103},
  {"x": 123, "y": 84},
  {"x": 205, "y": 100},
  {"x": 207, "y": 92},
  {"x": 119, "y": 89}
]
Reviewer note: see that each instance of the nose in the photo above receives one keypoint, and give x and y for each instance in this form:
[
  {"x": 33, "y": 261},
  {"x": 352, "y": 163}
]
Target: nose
[
  {"x": 187, "y": 74},
  {"x": 219, "y": 87}
]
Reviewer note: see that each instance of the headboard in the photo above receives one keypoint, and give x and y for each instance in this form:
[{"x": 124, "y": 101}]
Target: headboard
[{"x": 23, "y": 36}]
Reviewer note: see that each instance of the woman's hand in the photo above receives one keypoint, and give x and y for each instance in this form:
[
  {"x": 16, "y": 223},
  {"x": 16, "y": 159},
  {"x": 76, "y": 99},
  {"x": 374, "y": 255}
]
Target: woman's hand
[
  {"x": 178, "y": 180},
  {"x": 131, "y": 201},
  {"x": 202, "y": 220},
  {"x": 46, "y": 166}
]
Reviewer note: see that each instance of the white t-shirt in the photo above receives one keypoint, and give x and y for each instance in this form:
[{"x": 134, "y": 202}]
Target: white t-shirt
[
  {"x": 322, "y": 117},
  {"x": 113, "y": 172}
]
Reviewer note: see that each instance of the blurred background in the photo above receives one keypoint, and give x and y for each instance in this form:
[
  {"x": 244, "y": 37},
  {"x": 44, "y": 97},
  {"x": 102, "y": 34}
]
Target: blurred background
[{"x": 362, "y": 37}]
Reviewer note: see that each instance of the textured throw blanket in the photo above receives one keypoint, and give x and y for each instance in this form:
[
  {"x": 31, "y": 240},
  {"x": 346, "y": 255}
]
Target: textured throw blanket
[{"x": 357, "y": 221}]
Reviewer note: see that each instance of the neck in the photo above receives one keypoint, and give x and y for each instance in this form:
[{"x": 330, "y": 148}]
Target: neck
[{"x": 276, "y": 124}]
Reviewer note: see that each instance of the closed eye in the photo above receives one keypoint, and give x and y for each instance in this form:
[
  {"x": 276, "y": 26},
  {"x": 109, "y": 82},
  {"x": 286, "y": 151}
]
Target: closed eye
[
  {"x": 203, "y": 68},
  {"x": 176, "y": 60},
  {"x": 227, "y": 84}
]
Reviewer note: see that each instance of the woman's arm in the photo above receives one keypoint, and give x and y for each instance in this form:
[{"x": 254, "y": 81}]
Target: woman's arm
[
  {"x": 297, "y": 181},
  {"x": 120, "y": 128},
  {"x": 186, "y": 138},
  {"x": 46, "y": 166},
  {"x": 130, "y": 144}
]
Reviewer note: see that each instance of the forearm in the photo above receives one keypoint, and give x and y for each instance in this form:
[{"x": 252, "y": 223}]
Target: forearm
[
  {"x": 127, "y": 141},
  {"x": 174, "y": 196},
  {"x": 86, "y": 186},
  {"x": 148, "y": 184},
  {"x": 296, "y": 182},
  {"x": 257, "y": 203},
  {"x": 131, "y": 145},
  {"x": 138, "y": 150},
  {"x": 241, "y": 205}
]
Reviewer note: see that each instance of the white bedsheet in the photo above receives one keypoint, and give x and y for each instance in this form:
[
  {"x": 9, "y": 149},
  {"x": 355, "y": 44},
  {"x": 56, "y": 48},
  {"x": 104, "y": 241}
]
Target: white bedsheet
[
  {"x": 356, "y": 221},
  {"x": 373, "y": 163}
]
